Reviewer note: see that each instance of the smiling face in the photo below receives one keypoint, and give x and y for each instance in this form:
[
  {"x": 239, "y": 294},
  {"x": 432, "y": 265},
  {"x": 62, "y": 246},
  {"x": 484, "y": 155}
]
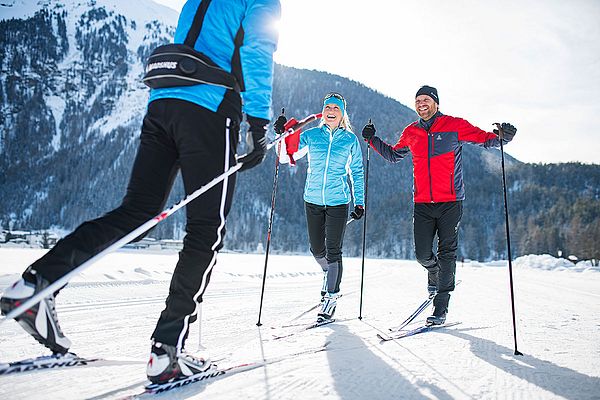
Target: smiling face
[
  {"x": 332, "y": 115},
  {"x": 425, "y": 106}
]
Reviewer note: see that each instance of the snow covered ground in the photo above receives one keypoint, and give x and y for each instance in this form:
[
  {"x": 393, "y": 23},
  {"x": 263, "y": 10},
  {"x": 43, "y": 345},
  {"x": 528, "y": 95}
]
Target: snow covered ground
[{"x": 110, "y": 311}]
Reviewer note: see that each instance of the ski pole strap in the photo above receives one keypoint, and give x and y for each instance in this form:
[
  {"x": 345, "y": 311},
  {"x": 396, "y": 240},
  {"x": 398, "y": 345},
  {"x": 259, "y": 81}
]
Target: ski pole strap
[{"x": 294, "y": 127}]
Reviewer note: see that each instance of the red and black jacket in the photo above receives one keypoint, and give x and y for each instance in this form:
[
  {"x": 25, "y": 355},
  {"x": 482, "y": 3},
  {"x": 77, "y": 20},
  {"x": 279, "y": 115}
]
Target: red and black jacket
[{"x": 436, "y": 155}]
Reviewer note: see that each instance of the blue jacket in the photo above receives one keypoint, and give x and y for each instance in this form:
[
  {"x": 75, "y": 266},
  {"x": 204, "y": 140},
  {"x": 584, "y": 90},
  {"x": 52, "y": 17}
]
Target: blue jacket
[
  {"x": 255, "y": 66},
  {"x": 333, "y": 157}
]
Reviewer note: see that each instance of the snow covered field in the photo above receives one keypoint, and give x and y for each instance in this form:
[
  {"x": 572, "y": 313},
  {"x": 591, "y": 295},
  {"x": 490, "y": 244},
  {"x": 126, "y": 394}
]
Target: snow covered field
[{"x": 110, "y": 311}]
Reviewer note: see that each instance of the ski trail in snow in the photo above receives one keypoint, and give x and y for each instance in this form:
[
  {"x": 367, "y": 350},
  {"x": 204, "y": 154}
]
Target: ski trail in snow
[{"x": 558, "y": 332}]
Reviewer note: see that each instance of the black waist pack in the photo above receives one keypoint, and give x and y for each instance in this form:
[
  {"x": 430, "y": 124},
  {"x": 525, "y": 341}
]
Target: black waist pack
[{"x": 174, "y": 65}]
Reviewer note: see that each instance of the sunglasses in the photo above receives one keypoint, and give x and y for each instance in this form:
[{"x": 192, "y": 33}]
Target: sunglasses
[{"x": 335, "y": 96}]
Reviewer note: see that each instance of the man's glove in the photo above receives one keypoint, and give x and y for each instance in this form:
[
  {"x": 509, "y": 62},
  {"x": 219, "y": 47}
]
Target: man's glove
[
  {"x": 358, "y": 212},
  {"x": 279, "y": 125},
  {"x": 368, "y": 132},
  {"x": 257, "y": 131},
  {"x": 508, "y": 131}
]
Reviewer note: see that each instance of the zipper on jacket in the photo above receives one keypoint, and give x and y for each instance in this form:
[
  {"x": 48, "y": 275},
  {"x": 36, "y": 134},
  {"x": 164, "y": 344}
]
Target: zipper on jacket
[
  {"x": 452, "y": 182},
  {"x": 327, "y": 165},
  {"x": 429, "y": 153},
  {"x": 430, "y": 143}
]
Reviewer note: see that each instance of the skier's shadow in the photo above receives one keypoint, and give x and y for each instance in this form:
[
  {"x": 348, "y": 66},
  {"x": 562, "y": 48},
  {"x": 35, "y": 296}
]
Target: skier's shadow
[
  {"x": 561, "y": 381},
  {"x": 359, "y": 373}
]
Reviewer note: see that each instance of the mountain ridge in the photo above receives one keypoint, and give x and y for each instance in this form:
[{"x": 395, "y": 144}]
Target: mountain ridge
[{"x": 71, "y": 105}]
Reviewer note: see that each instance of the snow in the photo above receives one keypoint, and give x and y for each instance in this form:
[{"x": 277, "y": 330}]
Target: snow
[
  {"x": 20, "y": 8},
  {"x": 57, "y": 106},
  {"x": 141, "y": 11},
  {"x": 111, "y": 308}
]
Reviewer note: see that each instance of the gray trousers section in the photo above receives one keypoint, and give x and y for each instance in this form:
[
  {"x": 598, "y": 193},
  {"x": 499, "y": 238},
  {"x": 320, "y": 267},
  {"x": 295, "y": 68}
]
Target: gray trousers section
[
  {"x": 333, "y": 275},
  {"x": 322, "y": 261}
]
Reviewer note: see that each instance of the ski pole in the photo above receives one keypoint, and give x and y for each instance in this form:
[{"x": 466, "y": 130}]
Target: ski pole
[
  {"x": 290, "y": 127},
  {"x": 512, "y": 293},
  {"x": 362, "y": 271},
  {"x": 59, "y": 283},
  {"x": 200, "y": 347},
  {"x": 269, "y": 229}
]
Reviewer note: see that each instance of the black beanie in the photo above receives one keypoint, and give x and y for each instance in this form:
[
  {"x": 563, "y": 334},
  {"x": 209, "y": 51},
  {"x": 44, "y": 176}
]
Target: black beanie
[{"x": 429, "y": 91}]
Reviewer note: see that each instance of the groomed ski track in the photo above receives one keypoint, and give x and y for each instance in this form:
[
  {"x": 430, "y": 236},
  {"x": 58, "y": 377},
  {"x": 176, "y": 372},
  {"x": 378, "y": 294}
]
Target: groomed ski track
[{"x": 111, "y": 310}]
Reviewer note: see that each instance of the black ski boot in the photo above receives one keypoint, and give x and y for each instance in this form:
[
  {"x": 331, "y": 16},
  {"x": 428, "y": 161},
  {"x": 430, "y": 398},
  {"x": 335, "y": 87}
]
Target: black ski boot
[
  {"x": 40, "y": 321},
  {"x": 438, "y": 317},
  {"x": 167, "y": 364}
]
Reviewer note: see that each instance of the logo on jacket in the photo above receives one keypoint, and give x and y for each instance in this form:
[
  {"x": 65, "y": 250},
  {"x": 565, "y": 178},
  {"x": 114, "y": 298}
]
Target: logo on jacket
[
  {"x": 161, "y": 65},
  {"x": 439, "y": 137}
]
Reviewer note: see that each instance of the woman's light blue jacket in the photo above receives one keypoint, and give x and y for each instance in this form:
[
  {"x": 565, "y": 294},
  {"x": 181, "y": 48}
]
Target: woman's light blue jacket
[{"x": 334, "y": 158}]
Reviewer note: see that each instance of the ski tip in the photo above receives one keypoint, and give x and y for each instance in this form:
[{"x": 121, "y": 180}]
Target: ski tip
[{"x": 383, "y": 338}]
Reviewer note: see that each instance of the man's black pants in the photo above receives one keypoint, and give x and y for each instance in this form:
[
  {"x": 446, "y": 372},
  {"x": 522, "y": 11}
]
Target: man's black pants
[
  {"x": 176, "y": 135},
  {"x": 443, "y": 219}
]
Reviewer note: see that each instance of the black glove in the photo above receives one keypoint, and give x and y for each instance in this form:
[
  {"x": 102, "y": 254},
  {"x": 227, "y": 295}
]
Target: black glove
[
  {"x": 358, "y": 212},
  {"x": 508, "y": 131},
  {"x": 368, "y": 132},
  {"x": 279, "y": 125},
  {"x": 257, "y": 131}
]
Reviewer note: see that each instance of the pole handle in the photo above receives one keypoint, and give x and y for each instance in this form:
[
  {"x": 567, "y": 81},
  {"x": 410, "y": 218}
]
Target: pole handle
[{"x": 500, "y": 131}]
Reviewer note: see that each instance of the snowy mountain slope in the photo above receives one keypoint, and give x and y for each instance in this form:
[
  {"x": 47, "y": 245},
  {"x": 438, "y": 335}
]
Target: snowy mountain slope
[
  {"x": 71, "y": 88},
  {"x": 71, "y": 105},
  {"x": 111, "y": 309},
  {"x": 141, "y": 11}
]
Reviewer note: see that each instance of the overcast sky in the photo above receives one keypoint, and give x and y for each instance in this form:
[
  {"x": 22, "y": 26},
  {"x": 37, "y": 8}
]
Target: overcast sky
[{"x": 534, "y": 63}]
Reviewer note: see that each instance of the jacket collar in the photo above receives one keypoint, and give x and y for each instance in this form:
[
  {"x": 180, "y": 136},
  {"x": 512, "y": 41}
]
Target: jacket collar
[
  {"x": 429, "y": 123},
  {"x": 329, "y": 131}
]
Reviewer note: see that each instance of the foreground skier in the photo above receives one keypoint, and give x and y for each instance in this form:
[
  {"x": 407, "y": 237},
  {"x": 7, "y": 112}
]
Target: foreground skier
[
  {"x": 435, "y": 142},
  {"x": 192, "y": 128},
  {"x": 334, "y": 156}
]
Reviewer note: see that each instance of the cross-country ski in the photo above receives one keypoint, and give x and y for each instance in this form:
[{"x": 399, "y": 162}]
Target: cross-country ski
[
  {"x": 216, "y": 372},
  {"x": 399, "y": 334},
  {"x": 57, "y": 361}
]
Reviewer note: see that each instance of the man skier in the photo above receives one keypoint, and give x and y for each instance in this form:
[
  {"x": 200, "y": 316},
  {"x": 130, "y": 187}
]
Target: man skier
[
  {"x": 192, "y": 128},
  {"x": 435, "y": 142}
]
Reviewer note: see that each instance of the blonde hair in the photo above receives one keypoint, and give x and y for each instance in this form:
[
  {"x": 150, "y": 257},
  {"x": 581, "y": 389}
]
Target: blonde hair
[{"x": 346, "y": 122}]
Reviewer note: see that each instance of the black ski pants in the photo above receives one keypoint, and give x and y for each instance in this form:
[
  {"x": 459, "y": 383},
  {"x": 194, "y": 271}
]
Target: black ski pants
[
  {"x": 176, "y": 136},
  {"x": 442, "y": 219},
  {"x": 326, "y": 227}
]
